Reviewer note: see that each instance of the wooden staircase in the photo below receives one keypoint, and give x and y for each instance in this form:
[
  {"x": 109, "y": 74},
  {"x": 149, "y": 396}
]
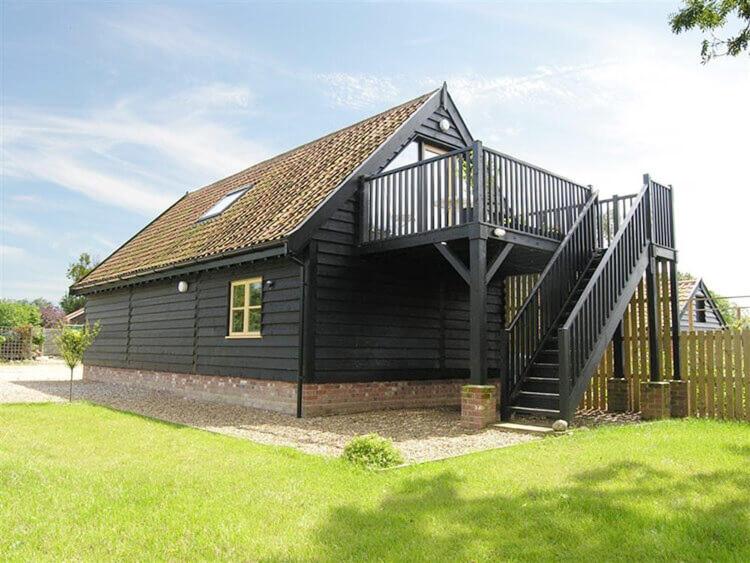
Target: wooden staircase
[
  {"x": 558, "y": 337},
  {"x": 539, "y": 393}
]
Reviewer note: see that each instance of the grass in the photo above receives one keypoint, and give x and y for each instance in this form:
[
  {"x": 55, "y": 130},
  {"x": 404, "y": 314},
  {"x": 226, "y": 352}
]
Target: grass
[{"x": 84, "y": 482}]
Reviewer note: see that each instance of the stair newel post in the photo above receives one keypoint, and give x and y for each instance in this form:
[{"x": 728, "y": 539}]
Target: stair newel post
[
  {"x": 674, "y": 297},
  {"x": 617, "y": 340},
  {"x": 651, "y": 295},
  {"x": 478, "y": 181},
  {"x": 563, "y": 340}
]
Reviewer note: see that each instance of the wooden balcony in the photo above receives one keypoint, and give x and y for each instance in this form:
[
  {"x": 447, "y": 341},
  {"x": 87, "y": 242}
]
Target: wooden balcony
[{"x": 447, "y": 197}]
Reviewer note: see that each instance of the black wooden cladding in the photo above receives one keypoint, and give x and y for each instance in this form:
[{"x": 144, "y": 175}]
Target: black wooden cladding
[
  {"x": 160, "y": 329},
  {"x": 377, "y": 320}
]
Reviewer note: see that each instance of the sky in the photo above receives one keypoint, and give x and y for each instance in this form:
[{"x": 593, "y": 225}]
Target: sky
[{"x": 111, "y": 111}]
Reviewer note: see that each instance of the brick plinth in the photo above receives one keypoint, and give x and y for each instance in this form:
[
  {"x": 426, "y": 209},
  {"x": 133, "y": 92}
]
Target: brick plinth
[
  {"x": 655, "y": 400},
  {"x": 318, "y": 399},
  {"x": 279, "y": 396},
  {"x": 618, "y": 395},
  {"x": 336, "y": 398},
  {"x": 478, "y": 405},
  {"x": 679, "y": 398}
]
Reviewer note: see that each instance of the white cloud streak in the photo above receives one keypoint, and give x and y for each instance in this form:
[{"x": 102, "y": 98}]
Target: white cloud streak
[
  {"x": 108, "y": 155},
  {"x": 358, "y": 91}
]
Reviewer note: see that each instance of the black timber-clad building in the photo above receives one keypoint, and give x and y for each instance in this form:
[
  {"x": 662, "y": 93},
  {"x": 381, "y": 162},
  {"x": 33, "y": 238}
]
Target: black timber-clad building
[{"x": 367, "y": 269}]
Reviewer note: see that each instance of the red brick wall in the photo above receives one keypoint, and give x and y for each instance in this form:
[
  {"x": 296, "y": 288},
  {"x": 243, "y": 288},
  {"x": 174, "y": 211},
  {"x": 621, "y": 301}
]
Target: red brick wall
[
  {"x": 317, "y": 398},
  {"x": 280, "y": 396}
]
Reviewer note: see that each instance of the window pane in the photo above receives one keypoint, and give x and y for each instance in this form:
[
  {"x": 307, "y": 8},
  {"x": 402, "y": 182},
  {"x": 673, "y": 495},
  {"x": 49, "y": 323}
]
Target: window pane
[
  {"x": 238, "y": 321},
  {"x": 254, "y": 321},
  {"x": 238, "y": 296},
  {"x": 255, "y": 293}
]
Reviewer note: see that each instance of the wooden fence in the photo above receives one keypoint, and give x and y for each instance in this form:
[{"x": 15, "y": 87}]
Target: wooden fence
[{"x": 716, "y": 363}]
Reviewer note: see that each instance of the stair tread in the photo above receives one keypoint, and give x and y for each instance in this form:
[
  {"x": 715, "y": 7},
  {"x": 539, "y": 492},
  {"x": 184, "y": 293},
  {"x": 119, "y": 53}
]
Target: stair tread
[
  {"x": 535, "y": 410},
  {"x": 539, "y": 393}
]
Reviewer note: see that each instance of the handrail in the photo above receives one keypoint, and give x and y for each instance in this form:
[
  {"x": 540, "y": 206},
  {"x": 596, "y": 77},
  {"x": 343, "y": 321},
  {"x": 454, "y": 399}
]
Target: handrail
[
  {"x": 560, "y": 249},
  {"x": 468, "y": 185},
  {"x": 545, "y": 302},
  {"x": 589, "y": 323},
  {"x": 422, "y": 162},
  {"x": 529, "y": 198}
]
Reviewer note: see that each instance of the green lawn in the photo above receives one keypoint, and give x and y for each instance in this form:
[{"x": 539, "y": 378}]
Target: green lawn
[{"x": 84, "y": 482}]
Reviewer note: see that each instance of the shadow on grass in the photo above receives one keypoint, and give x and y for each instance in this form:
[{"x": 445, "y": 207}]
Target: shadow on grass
[{"x": 624, "y": 510}]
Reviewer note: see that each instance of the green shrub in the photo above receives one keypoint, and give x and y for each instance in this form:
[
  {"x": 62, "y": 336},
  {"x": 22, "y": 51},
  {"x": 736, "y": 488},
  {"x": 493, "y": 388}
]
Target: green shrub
[
  {"x": 38, "y": 339},
  {"x": 19, "y": 313},
  {"x": 372, "y": 452}
]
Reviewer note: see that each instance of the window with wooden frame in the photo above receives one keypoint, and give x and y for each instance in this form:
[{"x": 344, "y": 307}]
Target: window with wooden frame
[{"x": 245, "y": 300}]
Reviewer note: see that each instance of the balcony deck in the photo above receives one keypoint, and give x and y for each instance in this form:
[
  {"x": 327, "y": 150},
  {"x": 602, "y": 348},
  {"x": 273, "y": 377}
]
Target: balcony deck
[{"x": 466, "y": 193}]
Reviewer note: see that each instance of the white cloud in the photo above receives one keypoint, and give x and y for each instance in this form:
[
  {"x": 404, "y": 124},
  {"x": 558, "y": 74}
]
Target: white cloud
[
  {"x": 16, "y": 227},
  {"x": 7, "y": 251},
  {"x": 359, "y": 91},
  {"x": 173, "y": 33},
  {"x": 137, "y": 154}
]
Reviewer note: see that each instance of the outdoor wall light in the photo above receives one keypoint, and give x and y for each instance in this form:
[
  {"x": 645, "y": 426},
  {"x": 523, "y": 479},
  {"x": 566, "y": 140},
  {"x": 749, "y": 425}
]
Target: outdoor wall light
[
  {"x": 182, "y": 286},
  {"x": 270, "y": 283},
  {"x": 498, "y": 232},
  {"x": 445, "y": 125}
]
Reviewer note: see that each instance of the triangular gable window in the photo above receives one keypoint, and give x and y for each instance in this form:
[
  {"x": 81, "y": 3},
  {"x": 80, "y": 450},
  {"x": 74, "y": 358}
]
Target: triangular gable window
[{"x": 223, "y": 204}]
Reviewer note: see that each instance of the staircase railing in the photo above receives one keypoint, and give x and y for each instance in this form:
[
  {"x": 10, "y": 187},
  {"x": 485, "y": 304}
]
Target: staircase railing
[
  {"x": 586, "y": 333},
  {"x": 545, "y": 302}
]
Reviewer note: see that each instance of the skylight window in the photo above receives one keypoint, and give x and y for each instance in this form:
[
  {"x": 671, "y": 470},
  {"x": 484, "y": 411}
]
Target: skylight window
[{"x": 222, "y": 205}]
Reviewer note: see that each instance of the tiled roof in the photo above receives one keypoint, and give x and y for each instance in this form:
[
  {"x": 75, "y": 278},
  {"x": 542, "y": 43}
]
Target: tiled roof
[
  {"x": 685, "y": 289},
  {"x": 285, "y": 190}
]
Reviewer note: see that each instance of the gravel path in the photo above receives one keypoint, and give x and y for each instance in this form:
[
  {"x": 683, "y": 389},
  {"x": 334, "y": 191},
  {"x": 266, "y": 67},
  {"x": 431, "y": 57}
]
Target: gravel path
[{"x": 420, "y": 434}]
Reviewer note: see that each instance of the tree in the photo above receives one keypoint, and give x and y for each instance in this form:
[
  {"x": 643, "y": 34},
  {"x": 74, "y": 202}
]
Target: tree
[
  {"x": 81, "y": 268},
  {"x": 18, "y": 313},
  {"x": 76, "y": 272},
  {"x": 70, "y": 303},
  {"x": 710, "y": 16},
  {"x": 73, "y": 343}
]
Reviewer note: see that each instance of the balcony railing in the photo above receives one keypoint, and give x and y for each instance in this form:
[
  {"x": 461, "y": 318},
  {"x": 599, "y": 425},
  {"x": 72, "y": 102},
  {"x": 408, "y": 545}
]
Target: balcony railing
[{"x": 468, "y": 186}]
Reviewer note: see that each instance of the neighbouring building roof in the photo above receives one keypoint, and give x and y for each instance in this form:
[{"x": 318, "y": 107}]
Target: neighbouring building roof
[
  {"x": 284, "y": 191},
  {"x": 688, "y": 288},
  {"x": 76, "y": 317}
]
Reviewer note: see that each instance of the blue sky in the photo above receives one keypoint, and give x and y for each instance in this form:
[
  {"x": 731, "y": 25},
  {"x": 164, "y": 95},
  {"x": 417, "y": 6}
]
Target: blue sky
[{"x": 111, "y": 111}]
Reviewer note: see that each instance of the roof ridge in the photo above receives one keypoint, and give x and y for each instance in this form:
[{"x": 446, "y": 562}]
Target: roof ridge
[{"x": 327, "y": 135}]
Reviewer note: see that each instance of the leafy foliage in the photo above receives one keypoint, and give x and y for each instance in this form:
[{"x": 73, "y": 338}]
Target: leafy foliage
[
  {"x": 372, "y": 452},
  {"x": 70, "y": 303},
  {"x": 73, "y": 342},
  {"x": 710, "y": 16},
  {"x": 18, "y": 313},
  {"x": 52, "y": 315},
  {"x": 81, "y": 268},
  {"x": 76, "y": 272}
]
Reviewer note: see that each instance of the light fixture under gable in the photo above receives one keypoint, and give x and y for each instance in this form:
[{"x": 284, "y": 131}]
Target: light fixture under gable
[
  {"x": 223, "y": 204},
  {"x": 445, "y": 125}
]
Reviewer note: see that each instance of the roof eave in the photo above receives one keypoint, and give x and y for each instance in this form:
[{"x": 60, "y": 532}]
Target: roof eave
[{"x": 275, "y": 249}]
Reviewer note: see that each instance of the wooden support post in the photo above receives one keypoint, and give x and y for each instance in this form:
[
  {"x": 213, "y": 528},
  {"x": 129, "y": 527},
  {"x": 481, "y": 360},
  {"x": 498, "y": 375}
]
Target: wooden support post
[
  {"x": 653, "y": 320},
  {"x": 675, "y": 314},
  {"x": 478, "y": 311},
  {"x": 617, "y": 341}
]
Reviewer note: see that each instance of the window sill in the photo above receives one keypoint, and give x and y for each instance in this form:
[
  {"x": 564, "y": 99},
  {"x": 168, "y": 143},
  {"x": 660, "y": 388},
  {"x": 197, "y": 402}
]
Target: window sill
[{"x": 242, "y": 336}]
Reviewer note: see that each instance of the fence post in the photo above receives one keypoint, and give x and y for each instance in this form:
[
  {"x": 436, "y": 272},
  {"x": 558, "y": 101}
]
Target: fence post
[
  {"x": 478, "y": 181},
  {"x": 675, "y": 314}
]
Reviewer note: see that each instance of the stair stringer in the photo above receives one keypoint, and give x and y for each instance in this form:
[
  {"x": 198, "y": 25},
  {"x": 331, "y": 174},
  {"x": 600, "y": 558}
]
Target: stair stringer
[{"x": 605, "y": 336}]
